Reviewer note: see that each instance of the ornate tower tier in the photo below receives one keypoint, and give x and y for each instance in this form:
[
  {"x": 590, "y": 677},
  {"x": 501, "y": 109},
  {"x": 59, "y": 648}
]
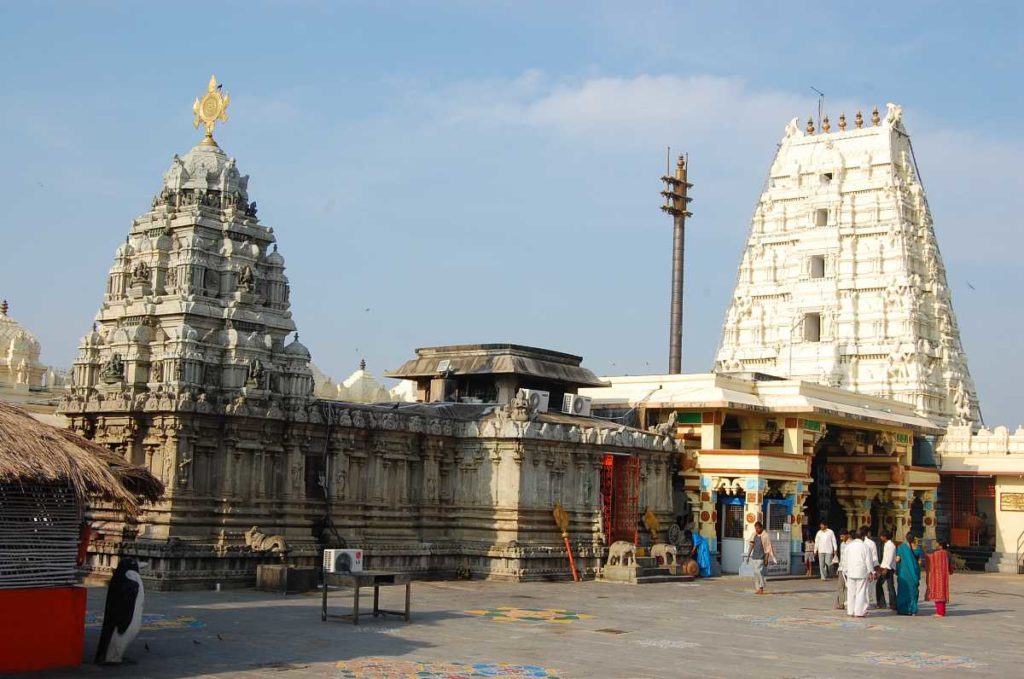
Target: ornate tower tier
[
  {"x": 842, "y": 281},
  {"x": 196, "y": 303}
]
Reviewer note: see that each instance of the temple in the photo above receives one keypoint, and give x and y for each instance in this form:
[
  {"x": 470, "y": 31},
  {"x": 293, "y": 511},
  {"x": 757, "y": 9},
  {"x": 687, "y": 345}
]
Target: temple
[
  {"x": 841, "y": 281},
  {"x": 192, "y": 370},
  {"x": 24, "y": 379}
]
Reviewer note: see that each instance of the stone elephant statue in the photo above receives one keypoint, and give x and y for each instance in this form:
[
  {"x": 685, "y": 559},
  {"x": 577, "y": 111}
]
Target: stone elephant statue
[{"x": 622, "y": 553}]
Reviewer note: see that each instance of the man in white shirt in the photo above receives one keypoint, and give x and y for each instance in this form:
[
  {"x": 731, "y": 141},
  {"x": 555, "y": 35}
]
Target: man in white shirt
[
  {"x": 859, "y": 570},
  {"x": 872, "y": 546},
  {"x": 826, "y": 548},
  {"x": 844, "y": 540},
  {"x": 886, "y": 574}
]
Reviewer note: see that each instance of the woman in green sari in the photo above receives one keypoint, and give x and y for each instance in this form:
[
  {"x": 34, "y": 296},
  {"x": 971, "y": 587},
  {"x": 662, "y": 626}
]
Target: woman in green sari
[{"x": 908, "y": 576}]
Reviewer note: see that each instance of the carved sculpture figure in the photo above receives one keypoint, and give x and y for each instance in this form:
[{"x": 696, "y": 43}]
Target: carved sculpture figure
[
  {"x": 246, "y": 280},
  {"x": 622, "y": 553},
  {"x": 836, "y": 473},
  {"x": 140, "y": 272},
  {"x": 113, "y": 369},
  {"x": 257, "y": 374},
  {"x": 258, "y": 541}
]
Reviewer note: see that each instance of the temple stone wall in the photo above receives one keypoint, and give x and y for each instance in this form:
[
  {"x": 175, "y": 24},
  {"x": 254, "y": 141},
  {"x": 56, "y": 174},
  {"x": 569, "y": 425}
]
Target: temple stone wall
[{"x": 428, "y": 495}]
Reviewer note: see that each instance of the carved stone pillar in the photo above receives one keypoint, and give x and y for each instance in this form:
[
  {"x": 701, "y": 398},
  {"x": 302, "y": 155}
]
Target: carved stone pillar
[
  {"x": 928, "y": 504},
  {"x": 708, "y": 516}
]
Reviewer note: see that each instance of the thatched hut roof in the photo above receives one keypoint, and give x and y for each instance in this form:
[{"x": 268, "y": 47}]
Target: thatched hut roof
[{"x": 34, "y": 452}]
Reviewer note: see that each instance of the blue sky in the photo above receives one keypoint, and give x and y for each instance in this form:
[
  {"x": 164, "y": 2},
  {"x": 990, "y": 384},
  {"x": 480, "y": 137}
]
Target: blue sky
[{"x": 487, "y": 171}]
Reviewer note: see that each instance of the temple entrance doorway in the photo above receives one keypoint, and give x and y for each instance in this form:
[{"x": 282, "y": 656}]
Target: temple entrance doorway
[
  {"x": 877, "y": 517},
  {"x": 821, "y": 503},
  {"x": 620, "y": 497},
  {"x": 730, "y": 530}
]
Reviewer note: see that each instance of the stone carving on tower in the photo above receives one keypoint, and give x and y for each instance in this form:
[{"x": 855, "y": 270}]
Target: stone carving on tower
[{"x": 841, "y": 281}]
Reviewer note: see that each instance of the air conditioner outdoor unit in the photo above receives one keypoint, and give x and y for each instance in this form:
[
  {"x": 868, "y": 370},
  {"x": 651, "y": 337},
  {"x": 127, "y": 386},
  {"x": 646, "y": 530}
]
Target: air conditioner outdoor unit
[
  {"x": 536, "y": 398},
  {"x": 343, "y": 560},
  {"x": 574, "y": 404}
]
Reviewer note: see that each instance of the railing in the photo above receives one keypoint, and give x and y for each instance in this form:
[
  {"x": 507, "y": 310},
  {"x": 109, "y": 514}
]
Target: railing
[{"x": 1020, "y": 553}]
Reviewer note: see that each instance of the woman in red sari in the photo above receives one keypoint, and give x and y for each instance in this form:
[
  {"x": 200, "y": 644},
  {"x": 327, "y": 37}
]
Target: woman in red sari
[{"x": 939, "y": 568}]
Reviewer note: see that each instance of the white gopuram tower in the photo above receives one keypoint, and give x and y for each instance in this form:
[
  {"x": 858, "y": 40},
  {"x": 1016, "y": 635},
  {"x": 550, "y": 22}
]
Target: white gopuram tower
[{"x": 841, "y": 281}]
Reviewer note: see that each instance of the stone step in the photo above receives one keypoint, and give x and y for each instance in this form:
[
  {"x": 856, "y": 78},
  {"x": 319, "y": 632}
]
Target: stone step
[
  {"x": 646, "y": 561},
  {"x": 653, "y": 570},
  {"x": 655, "y": 579}
]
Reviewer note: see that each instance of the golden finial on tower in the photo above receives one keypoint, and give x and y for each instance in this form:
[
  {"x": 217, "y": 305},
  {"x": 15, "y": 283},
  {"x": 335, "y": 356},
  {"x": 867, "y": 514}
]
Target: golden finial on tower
[
  {"x": 810, "y": 125},
  {"x": 874, "y": 117},
  {"x": 842, "y": 122},
  {"x": 859, "y": 120},
  {"x": 210, "y": 108},
  {"x": 825, "y": 126}
]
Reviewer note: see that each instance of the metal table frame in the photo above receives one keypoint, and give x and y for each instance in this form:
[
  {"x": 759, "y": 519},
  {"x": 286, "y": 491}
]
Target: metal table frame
[{"x": 375, "y": 579}]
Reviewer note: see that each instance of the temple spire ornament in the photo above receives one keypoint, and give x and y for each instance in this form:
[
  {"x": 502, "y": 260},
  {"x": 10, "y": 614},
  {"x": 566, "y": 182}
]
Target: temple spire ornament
[{"x": 210, "y": 108}]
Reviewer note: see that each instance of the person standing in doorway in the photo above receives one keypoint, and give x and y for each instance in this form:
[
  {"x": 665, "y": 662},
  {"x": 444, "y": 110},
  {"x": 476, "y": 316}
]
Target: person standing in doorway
[
  {"x": 844, "y": 538},
  {"x": 859, "y": 569},
  {"x": 939, "y": 569},
  {"x": 886, "y": 574},
  {"x": 826, "y": 548},
  {"x": 759, "y": 553},
  {"x": 872, "y": 546}
]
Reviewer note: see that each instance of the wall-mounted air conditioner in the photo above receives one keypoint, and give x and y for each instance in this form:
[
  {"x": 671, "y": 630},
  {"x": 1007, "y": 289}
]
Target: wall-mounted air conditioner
[
  {"x": 574, "y": 404},
  {"x": 343, "y": 560},
  {"x": 536, "y": 398}
]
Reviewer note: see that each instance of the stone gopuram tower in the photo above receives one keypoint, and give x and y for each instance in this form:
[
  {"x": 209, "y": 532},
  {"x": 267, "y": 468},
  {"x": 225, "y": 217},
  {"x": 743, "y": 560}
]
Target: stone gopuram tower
[
  {"x": 841, "y": 281},
  {"x": 188, "y": 369}
]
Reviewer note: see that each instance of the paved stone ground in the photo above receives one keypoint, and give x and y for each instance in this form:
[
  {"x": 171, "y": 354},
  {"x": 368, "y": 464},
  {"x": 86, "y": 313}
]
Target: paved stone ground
[{"x": 711, "y": 628}]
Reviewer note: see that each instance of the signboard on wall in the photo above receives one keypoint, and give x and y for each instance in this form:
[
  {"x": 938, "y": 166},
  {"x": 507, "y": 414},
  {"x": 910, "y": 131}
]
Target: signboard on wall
[{"x": 1011, "y": 502}]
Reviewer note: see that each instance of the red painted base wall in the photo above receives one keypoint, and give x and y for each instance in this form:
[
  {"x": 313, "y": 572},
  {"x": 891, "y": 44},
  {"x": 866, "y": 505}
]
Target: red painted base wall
[{"x": 41, "y": 628}]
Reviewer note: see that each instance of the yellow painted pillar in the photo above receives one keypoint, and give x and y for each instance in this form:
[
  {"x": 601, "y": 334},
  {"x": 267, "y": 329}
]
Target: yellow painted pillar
[
  {"x": 793, "y": 436},
  {"x": 711, "y": 430}
]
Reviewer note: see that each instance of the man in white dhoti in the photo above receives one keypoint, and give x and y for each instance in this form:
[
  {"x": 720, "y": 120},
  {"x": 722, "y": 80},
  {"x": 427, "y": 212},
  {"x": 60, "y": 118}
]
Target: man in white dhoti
[
  {"x": 859, "y": 571},
  {"x": 869, "y": 542}
]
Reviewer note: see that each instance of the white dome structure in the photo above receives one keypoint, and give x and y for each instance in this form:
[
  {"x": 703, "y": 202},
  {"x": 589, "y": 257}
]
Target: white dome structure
[
  {"x": 362, "y": 387},
  {"x": 20, "y": 368}
]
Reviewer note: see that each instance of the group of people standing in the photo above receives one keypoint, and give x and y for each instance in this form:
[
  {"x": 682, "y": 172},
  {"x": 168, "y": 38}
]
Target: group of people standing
[{"x": 864, "y": 579}]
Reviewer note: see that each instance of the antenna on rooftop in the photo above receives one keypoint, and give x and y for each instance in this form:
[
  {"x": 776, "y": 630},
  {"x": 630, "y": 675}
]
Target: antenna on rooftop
[{"x": 821, "y": 104}]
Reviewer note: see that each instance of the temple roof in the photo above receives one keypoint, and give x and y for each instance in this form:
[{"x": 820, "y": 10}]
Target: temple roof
[
  {"x": 496, "y": 359},
  {"x": 208, "y": 168},
  {"x": 14, "y": 337}
]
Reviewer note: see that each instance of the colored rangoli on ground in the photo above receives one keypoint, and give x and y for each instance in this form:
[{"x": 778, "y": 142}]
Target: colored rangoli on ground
[
  {"x": 383, "y": 668},
  {"x": 921, "y": 661},
  {"x": 153, "y": 621},
  {"x": 781, "y": 621},
  {"x": 510, "y": 614}
]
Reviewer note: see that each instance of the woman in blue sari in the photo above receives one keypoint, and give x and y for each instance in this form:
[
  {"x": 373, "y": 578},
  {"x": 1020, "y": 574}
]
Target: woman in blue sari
[
  {"x": 702, "y": 554},
  {"x": 908, "y": 576}
]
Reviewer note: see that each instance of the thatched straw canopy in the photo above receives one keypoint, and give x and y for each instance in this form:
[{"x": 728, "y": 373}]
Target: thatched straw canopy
[{"x": 34, "y": 452}]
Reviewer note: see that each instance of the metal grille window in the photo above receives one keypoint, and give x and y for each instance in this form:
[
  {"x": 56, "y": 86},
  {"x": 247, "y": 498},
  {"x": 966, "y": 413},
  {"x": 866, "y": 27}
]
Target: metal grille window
[
  {"x": 39, "y": 528},
  {"x": 732, "y": 521}
]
